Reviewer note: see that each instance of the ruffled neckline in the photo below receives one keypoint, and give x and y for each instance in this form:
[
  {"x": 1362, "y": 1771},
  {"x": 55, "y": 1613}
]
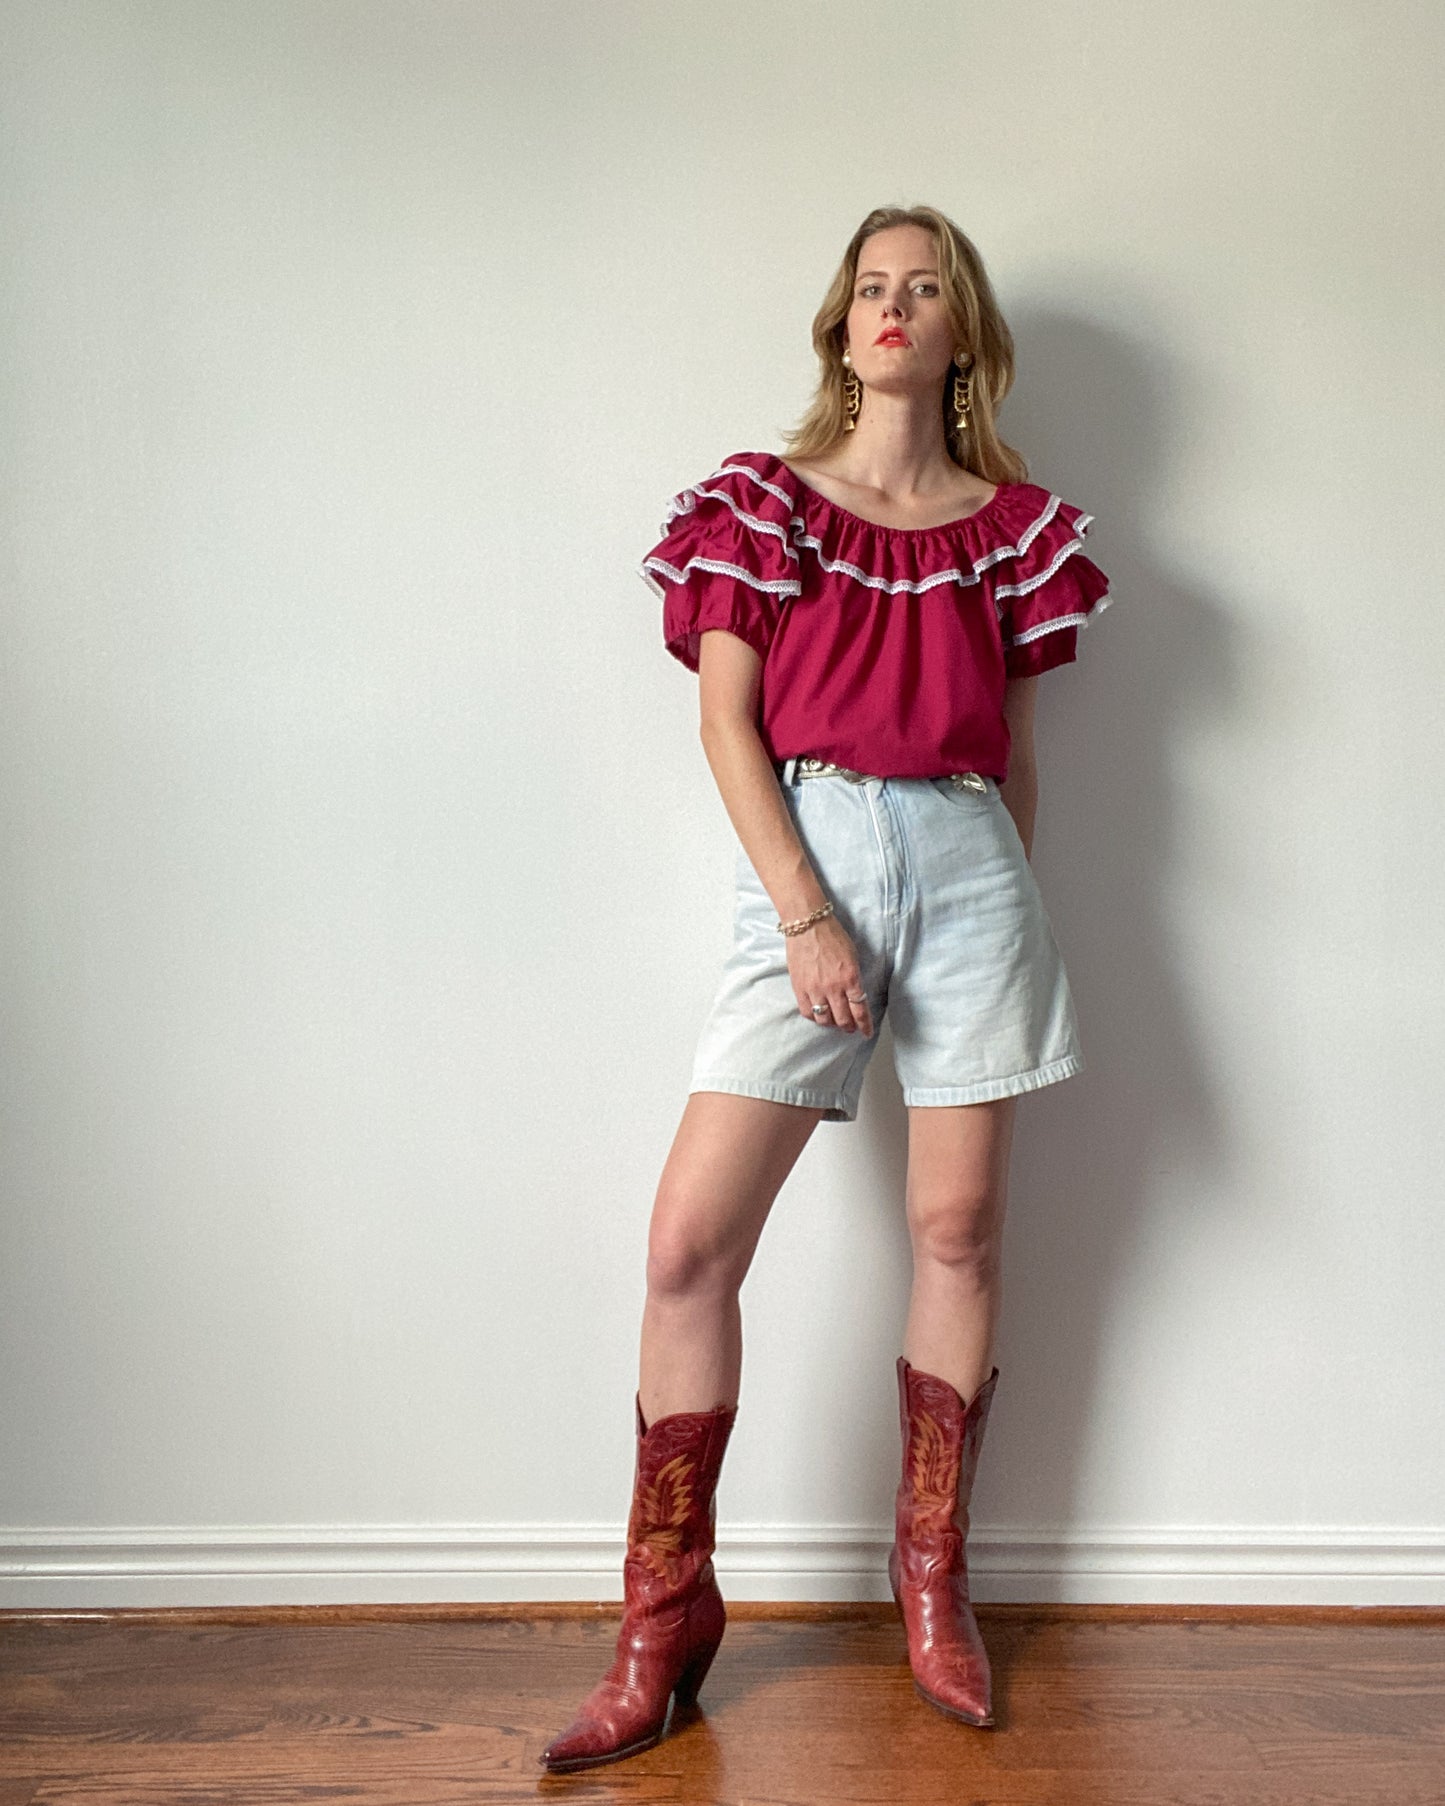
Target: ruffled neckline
[
  {"x": 825, "y": 505},
  {"x": 754, "y": 519}
]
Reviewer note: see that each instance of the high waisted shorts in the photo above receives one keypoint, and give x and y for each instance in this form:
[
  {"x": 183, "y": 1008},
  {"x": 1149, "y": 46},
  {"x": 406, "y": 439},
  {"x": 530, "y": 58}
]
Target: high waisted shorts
[{"x": 956, "y": 951}]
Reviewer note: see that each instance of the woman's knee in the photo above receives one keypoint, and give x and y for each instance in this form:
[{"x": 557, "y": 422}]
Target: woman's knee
[
  {"x": 959, "y": 1230},
  {"x": 692, "y": 1246}
]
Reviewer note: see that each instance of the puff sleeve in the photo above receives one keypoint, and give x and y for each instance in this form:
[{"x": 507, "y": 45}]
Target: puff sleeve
[
  {"x": 1050, "y": 590},
  {"x": 726, "y": 559}
]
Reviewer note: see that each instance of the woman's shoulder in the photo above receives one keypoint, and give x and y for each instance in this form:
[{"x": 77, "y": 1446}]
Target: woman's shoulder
[
  {"x": 748, "y": 490},
  {"x": 743, "y": 479},
  {"x": 736, "y": 522}
]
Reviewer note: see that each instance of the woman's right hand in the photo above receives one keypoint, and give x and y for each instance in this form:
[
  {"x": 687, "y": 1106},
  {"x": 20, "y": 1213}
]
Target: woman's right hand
[{"x": 823, "y": 965}]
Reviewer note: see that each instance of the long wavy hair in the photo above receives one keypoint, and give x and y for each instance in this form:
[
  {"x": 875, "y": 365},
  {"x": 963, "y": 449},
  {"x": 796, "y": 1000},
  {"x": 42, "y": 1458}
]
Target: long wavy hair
[{"x": 978, "y": 325}]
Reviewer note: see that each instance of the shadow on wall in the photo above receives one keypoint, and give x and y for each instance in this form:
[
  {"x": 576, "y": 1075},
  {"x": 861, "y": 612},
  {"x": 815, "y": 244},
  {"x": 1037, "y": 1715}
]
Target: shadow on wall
[{"x": 1097, "y": 424}]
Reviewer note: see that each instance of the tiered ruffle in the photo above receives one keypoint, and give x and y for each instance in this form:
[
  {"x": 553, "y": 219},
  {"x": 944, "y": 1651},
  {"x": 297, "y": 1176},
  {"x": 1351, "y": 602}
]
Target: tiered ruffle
[
  {"x": 742, "y": 543},
  {"x": 726, "y": 559}
]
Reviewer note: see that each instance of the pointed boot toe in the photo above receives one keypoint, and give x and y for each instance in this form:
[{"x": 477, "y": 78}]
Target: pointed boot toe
[
  {"x": 966, "y": 1696},
  {"x": 601, "y": 1735}
]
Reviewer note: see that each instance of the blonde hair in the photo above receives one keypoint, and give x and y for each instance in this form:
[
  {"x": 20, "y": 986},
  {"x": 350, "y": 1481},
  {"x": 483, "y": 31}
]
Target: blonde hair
[{"x": 977, "y": 323}]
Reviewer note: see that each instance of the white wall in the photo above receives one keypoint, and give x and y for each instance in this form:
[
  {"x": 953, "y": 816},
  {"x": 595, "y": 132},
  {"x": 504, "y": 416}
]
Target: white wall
[{"x": 364, "y": 884}]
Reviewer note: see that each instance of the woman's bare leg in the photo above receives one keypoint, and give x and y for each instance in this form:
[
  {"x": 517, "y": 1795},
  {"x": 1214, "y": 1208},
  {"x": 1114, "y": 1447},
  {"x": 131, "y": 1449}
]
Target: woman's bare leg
[
  {"x": 958, "y": 1157},
  {"x": 727, "y": 1164}
]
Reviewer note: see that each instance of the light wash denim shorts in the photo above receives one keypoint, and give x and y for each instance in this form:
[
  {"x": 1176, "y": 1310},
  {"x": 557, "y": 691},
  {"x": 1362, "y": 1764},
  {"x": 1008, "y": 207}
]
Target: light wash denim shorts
[{"x": 956, "y": 950}]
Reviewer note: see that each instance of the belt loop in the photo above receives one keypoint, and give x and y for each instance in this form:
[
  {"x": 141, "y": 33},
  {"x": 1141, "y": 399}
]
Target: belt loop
[{"x": 789, "y": 767}]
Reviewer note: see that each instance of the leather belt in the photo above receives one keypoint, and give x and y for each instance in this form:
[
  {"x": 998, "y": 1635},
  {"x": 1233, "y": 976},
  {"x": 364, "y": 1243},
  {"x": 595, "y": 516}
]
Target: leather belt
[{"x": 822, "y": 768}]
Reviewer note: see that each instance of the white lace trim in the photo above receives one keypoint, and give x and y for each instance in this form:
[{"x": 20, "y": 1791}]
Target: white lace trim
[
  {"x": 1080, "y": 619},
  {"x": 778, "y": 586},
  {"x": 746, "y": 470},
  {"x": 902, "y": 585},
  {"x": 1031, "y": 583},
  {"x": 686, "y": 502}
]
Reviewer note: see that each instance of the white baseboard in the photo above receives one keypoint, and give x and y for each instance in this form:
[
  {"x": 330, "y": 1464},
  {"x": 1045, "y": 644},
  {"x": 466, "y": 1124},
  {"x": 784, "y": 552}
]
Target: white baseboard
[{"x": 80, "y": 1569}]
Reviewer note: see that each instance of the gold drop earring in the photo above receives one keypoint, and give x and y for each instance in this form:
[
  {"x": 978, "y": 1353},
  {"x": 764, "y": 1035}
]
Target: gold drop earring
[
  {"x": 852, "y": 393},
  {"x": 962, "y": 391}
]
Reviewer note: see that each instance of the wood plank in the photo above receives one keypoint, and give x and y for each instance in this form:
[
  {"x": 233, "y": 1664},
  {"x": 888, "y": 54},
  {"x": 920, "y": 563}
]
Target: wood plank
[{"x": 801, "y": 1706}]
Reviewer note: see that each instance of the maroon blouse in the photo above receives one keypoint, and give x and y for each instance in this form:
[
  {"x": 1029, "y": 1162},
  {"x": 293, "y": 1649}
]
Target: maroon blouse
[{"x": 885, "y": 649}]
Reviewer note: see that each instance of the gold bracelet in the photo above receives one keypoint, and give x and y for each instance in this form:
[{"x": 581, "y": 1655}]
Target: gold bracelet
[{"x": 805, "y": 921}]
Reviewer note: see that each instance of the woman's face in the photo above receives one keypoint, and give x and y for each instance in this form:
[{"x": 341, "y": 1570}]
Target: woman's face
[{"x": 897, "y": 290}]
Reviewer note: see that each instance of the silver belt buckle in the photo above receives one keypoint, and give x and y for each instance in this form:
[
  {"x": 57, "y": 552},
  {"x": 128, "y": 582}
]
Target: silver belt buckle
[
  {"x": 968, "y": 780},
  {"x": 818, "y": 768}
]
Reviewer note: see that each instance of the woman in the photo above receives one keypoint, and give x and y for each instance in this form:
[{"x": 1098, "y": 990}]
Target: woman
[{"x": 868, "y": 620}]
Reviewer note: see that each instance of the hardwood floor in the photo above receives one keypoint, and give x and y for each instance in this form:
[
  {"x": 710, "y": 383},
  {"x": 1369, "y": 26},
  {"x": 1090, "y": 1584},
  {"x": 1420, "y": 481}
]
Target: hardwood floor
[{"x": 411, "y": 1706}]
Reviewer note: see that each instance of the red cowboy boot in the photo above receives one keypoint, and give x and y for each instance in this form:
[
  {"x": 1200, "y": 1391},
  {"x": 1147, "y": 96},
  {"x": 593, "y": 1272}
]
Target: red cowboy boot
[
  {"x": 928, "y": 1564},
  {"x": 673, "y": 1616}
]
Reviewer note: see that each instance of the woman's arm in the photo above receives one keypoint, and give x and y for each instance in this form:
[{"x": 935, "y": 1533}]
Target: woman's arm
[
  {"x": 823, "y": 960},
  {"x": 729, "y": 675},
  {"x": 1021, "y": 792}
]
